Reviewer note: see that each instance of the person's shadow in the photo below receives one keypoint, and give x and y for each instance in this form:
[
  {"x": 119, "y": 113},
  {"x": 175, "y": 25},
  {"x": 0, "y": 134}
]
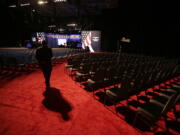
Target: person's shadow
[{"x": 55, "y": 101}]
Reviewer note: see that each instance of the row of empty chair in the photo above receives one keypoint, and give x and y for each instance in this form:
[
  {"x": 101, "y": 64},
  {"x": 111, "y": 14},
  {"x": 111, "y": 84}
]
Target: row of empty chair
[
  {"x": 104, "y": 68},
  {"x": 121, "y": 76}
]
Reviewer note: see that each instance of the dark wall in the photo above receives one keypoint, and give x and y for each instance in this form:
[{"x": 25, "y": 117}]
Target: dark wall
[
  {"x": 17, "y": 24},
  {"x": 152, "y": 27}
]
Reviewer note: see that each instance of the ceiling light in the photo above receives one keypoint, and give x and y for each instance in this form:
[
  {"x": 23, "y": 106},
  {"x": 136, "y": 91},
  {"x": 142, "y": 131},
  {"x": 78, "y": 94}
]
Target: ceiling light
[
  {"x": 40, "y": 2},
  {"x": 127, "y": 40},
  {"x": 60, "y": 0},
  {"x": 61, "y": 29},
  {"x": 24, "y": 4},
  {"x": 52, "y": 26},
  {"x": 72, "y": 24},
  {"x": 12, "y": 6}
]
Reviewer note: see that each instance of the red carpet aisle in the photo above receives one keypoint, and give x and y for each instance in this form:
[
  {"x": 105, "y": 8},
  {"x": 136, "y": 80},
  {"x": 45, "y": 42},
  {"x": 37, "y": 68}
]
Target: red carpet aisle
[{"x": 26, "y": 110}]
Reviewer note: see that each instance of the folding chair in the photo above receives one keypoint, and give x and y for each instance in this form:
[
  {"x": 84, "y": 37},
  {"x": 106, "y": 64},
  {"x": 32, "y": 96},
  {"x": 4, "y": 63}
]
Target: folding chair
[{"x": 152, "y": 111}]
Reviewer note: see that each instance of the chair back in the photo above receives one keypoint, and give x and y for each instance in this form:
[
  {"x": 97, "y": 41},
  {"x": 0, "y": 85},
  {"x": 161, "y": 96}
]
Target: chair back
[{"x": 170, "y": 103}]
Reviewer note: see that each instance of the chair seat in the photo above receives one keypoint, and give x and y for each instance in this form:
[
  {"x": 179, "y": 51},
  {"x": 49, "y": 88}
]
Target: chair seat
[
  {"x": 177, "y": 83},
  {"x": 176, "y": 86},
  {"x": 117, "y": 93},
  {"x": 73, "y": 69},
  {"x": 78, "y": 74},
  {"x": 168, "y": 92},
  {"x": 151, "y": 109},
  {"x": 89, "y": 81},
  {"x": 112, "y": 92},
  {"x": 160, "y": 99},
  {"x": 68, "y": 66}
]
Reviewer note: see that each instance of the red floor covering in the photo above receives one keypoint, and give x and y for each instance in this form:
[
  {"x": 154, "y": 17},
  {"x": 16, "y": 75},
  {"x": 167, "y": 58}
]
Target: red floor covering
[{"x": 66, "y": 110}]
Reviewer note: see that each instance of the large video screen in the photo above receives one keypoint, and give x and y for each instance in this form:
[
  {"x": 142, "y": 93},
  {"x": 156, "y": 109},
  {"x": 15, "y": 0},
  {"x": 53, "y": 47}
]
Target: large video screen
[
  {"x": 90, "y": 40},
  {"x": 62, "y": 42}
]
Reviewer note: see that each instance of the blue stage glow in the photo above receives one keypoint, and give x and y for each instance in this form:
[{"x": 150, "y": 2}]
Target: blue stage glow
[
  {"x": 56, "y": 40},
  {"x": 29, "y": 45}
]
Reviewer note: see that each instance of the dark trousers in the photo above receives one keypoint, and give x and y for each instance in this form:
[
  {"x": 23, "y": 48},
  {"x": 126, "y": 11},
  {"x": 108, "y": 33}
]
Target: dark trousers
[{"x": 46, "y": 68}]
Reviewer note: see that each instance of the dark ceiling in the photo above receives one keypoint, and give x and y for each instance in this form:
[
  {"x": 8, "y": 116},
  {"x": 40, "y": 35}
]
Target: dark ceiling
[
  {"x": 66, "y": 7},
  {"x": 56, "y": 15}
]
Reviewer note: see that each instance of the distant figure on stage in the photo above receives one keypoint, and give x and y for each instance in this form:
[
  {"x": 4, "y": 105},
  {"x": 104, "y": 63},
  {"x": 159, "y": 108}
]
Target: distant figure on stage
[{"x": 44, "y": 55}]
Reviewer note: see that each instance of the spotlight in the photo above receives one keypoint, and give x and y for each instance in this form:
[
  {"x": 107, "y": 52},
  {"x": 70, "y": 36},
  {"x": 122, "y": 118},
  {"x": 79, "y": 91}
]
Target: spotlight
[
  {"x": 12, "y": 6},
  {"x": 61, "y": 29},
  {"x": 41, "y": 2},
  {"x": 124, "y": 39},
  {"x": 72, "y": 24},
  {"x": 52, "y": 26},
  {"x": 25, "y": 4}
]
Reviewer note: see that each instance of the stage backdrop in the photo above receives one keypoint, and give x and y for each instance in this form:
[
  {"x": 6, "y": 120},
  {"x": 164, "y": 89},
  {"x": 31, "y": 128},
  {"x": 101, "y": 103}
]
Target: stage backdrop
[
  {"x": 87, "y": 39},
  {"x": 57, "y": 40},
  {"x": 91, "y": 39}
]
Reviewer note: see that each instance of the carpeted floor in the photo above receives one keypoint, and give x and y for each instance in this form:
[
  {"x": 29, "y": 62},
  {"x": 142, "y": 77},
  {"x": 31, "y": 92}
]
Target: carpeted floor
[{"x": 67, "y": 109}]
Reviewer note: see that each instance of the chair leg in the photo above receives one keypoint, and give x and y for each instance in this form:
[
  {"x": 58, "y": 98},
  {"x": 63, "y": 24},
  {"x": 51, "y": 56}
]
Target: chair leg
[
  {"x": 105, "y": 97},
  {"x": 134, "y": 121},
  {"x": 166, "y": 127},
  {"x": 116, "y": 112}
]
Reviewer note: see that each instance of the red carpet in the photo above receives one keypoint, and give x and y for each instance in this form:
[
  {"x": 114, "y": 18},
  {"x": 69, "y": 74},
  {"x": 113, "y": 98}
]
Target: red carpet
[{"x": 66, "y": 109}]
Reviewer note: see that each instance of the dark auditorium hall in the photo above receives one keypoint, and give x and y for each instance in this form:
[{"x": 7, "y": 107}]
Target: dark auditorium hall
[{"x": 89, "y": 67}]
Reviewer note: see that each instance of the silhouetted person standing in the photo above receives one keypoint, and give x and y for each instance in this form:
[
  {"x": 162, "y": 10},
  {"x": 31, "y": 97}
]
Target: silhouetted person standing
[{"x": 44, "y": 55}]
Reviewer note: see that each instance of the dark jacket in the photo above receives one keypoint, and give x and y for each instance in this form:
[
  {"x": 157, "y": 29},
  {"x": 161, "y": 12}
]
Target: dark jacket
[{"x": 44, "y": 54}]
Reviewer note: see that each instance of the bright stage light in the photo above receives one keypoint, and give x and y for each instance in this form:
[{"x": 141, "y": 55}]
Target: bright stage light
[
  {"x": 52, "y": 26},
  {"x": 127, "y": 40},
  {"x": 12, "y": 6},
  {"x": 61, "y": 29},
  {"x": 25, "y": 4},
  {"x": 40, "y": 2},
  {"x": 72, "y": 24}
]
